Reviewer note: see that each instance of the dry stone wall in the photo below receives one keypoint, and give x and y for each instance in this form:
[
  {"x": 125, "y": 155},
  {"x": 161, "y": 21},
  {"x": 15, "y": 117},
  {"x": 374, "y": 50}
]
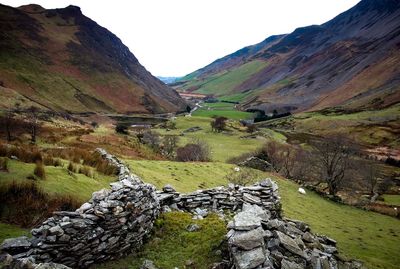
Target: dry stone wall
[
  {"x": 115, "y": 222},
  {"x": 263, "y": 194},
  {"x": 112, "y": 223},
  {"x": 257, "y": 240}
]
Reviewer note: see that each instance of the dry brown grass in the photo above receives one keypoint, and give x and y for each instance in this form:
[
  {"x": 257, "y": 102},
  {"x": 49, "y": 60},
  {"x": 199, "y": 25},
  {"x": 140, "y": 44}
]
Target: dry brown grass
[
  {"x": 39, "y": 170},
  {"x": 27, "y": 204}
]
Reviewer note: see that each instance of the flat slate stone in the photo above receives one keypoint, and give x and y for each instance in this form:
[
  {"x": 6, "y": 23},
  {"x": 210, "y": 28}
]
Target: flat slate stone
[
  {"x": 290, "y": 244},
  {"x": 246, "y": 221},
  {"x": 248, "y": 240},
  {"x": 249, "y": 259}
]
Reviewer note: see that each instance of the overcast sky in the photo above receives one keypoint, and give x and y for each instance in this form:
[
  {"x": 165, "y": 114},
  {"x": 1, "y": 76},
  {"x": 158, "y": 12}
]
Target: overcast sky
[{"x": 176, "y": 37}]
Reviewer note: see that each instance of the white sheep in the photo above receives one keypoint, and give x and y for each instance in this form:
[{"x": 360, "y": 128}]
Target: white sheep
[{"x": 301, "y": 190}]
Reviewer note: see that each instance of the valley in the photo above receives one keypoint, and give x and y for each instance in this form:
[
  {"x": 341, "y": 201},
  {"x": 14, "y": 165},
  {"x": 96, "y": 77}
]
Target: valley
[{"x": 95, "y": 150}]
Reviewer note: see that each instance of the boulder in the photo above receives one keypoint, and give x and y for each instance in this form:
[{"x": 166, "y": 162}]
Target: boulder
[
  {"x": 192, "y": 227},
  {"x": 256, "y": 163},
  {"x": 147, "y": 264},
  {"x": 168, "y": 188}
]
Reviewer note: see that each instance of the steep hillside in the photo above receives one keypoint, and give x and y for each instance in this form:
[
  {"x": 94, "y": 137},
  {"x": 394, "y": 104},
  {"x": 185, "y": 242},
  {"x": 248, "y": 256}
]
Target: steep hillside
[
  {"x": 64, "y": 61},
  {"x": 351, "y": 61}
]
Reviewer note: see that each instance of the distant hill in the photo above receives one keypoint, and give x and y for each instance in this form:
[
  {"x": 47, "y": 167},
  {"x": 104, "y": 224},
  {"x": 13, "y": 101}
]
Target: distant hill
[
  {"x": 168, "y": 80},
  {"x": 64, "y": 61},
  {"x": 351, "y": 61}
]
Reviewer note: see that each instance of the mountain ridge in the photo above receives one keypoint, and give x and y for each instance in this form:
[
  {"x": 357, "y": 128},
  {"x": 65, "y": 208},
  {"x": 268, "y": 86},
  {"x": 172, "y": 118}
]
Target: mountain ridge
[
  {"x": 90, "y": 66},
  {"x": 349, "y": 61}
]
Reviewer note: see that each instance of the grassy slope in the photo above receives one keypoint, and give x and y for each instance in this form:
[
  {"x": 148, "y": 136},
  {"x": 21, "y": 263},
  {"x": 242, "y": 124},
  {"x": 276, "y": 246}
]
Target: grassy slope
[
  {"x": 57, "y": 181},
  {"x": 185, "y": 177},
  {"x": 224, "y": 83},
  {"x": 371, "y": 237},
  {"x": 172, "y": 246},
  {"x": 368, "y": 236},
  {"x": 372, "y": 127},
  {"x": 223, "y": 146},
  {"x": 9, "y": 231},
  {"x": 391, "y": 199}
]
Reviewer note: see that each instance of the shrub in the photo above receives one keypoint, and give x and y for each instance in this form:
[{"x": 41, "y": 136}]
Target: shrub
[
  {"x": 47, "y": 160},
  {"x": 27, "y": 205},
  {"x": 251, "y": 128},
  {"x": 170, "y": 143},
  {"x": 218, "y": 124},
  {"x": 4, "y": 164},
  {"x": 57, "y": 162},
  {"x": 39, "y": 171},
  {"x": 194, "y": 152},
  {"x": 72, "y": 167},
  {"x": 241, "y": 177},
  {"x": 87, "y": 171},
  {"x": 121, "y": 128},
  {"x": 94, "y": 124},
  {"x": 152, "y": 139}
]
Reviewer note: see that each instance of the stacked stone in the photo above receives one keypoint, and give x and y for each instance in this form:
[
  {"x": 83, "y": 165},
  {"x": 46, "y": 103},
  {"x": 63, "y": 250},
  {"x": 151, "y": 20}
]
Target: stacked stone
[
  {"x": 231, "y": 198},
  {"x": 257, "y": 240},
  {"x": 110, "y": 224}
]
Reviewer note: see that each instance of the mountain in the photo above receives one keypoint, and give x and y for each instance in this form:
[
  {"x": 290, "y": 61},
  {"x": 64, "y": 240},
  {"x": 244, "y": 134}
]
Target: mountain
[
  {"x": 64, "y": 61},
  {"x": 351, "y": 62},
  {"x": 168, "y": 80}
]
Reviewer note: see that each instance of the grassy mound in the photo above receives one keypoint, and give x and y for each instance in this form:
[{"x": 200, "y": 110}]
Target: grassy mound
[{"x": 58, "y": 180}]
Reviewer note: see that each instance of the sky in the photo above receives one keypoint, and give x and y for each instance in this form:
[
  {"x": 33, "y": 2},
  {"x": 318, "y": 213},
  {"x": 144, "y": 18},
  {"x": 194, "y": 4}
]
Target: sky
[{"x": 176, "y": 37}]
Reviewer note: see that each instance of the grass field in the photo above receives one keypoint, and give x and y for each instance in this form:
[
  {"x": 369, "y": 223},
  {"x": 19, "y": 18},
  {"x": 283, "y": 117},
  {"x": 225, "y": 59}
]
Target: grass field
[
  {"x": 368, "y": 236},
  {"x": 221, "y": 109},
  {"x": 57, "y": 181},
  {"x": 186, "y": 177},
  {"x": 391, "y": 199},
  {"x": 223, "y": 145},
  {"x": 9, "y": 231}
]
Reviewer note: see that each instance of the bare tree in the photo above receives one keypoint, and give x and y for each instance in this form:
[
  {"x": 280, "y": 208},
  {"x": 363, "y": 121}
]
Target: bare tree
[
  {"x": 197, "y": 151},
  {"x": 33, "y": 123},
  {"x": 371, "y": 174},
  {"x": 7, "y": 122},
  {"x": 273, "y": 153},
  {"x": 333, "y": 155},
  {"x": 170, "y": 143},
  {"x": 218, "y": 124},
  {"x": 292, "y": 161}
]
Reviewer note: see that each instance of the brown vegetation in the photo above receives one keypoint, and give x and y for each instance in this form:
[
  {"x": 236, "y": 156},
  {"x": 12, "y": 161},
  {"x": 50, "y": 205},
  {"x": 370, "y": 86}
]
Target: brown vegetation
[
  {"x": 218, "y": 124},
  {"x": 39, "y": 170},
  {"x": 197, "y": 151},
  {"x": 26, "y": 204}
]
